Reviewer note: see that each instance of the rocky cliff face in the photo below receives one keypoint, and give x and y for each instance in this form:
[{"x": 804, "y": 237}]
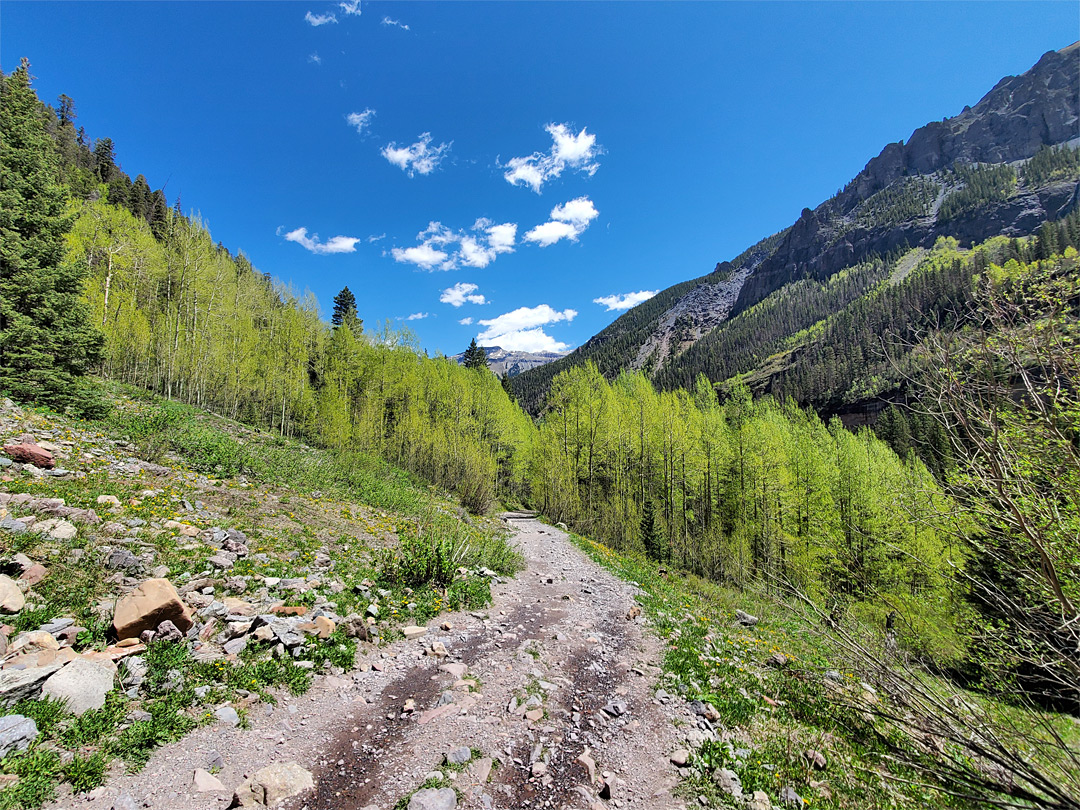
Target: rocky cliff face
[{"x": 1021, "y": 115}]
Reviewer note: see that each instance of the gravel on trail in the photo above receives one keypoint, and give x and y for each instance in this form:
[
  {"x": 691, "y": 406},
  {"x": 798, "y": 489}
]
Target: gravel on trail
[{"x": 551, "y": 688}]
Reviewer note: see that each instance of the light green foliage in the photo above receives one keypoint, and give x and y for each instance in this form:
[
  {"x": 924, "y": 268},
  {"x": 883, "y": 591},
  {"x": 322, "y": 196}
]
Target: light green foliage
[{"x": 753, "y": 491}]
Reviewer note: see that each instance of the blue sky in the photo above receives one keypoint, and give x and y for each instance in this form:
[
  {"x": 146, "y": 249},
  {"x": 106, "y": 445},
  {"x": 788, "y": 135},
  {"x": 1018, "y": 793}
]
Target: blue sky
[{"x": 511, "y": 164}]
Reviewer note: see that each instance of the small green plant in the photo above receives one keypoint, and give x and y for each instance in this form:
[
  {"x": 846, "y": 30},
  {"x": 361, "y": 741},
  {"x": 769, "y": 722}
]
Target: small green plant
[{"x": 86, "y": 773}]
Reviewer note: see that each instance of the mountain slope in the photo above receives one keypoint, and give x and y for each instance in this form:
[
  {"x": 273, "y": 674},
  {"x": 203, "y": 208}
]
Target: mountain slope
[
  {"x": 502, "y": 361},
  {"x": 983, "y": 173}
]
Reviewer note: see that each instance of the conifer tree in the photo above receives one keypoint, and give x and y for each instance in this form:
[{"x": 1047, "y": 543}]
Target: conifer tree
[
  {"x": 475, "y": 356},
  {"x": 345, "y": 312},
  {"x": 46, "y": 339}
]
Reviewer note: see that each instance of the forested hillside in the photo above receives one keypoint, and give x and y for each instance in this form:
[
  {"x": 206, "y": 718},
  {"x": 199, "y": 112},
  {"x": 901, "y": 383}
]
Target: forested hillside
[{"x": 1000, "y": 168}]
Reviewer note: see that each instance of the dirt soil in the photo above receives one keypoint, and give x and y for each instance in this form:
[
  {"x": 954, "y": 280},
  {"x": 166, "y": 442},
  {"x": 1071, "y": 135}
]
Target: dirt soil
[{"x": 564, "y": 633}]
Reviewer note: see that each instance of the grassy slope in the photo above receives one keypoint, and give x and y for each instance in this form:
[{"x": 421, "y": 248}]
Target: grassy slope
[
  {"x": 776, "y": 714},
  {"x": 340, "y": 517}
]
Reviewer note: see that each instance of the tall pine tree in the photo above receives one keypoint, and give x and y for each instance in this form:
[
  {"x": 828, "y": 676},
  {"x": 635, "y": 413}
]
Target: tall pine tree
[
  {"x": 345, "y": 312},
  {"x": 47, "y": 341},
  {"x": 475, "y": 356}
]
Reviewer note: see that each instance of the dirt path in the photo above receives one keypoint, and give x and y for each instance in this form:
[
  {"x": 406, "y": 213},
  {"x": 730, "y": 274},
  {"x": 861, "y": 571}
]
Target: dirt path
[{"x": 558, "y": 634}]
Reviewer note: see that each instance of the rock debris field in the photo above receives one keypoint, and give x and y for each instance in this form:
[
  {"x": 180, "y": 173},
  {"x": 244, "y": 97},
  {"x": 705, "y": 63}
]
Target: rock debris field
[{"x": 545, "y": 699}]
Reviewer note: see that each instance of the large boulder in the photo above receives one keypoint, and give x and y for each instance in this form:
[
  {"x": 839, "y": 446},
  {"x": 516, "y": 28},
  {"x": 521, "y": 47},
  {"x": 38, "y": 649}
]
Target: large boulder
[
  {"x": 152, "y": 603},
  {"x": 30, "y": 453},
  {"x": 11, "y": 598},
  {"x": 82, "y": 685},
  {"x": 273, "y": 784}
]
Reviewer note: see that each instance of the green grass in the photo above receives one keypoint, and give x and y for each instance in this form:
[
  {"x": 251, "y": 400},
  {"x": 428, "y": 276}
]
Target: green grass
[
  {"x": 289, "y": 491},
  {"x": 783, "y": 711}
]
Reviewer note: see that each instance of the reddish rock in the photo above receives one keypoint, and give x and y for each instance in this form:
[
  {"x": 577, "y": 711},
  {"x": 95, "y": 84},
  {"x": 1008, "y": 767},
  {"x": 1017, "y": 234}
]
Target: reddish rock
[
  {"x": 29, "y": 453},
  {"x": 34, "y": 574},
  {"x": 153, "y": 602},
  {"x": 289, "y": 610}
]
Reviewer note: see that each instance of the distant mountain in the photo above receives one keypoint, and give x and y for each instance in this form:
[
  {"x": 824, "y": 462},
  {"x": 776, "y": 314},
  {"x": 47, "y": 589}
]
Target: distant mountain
[
  {"x": 991, "y": 170},
  {"x": 502, "y": 361}
]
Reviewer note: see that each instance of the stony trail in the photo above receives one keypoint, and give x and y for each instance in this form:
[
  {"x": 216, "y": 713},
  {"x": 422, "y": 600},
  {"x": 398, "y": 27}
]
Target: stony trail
[{"x": 560, "y": 665}]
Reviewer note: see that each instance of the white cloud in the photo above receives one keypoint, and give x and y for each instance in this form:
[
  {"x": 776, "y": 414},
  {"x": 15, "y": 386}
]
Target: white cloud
[
  {"x": 351, "y": 7},
  {"x": 567, "y": 151},
  {"x": 320, "y": 19},
  {"x": 466, "y": 321},
  {"x": 360, "y": 120},
  {"x": 336, "y": 244},
  {"x": 568, "y": 221},
  {"x": 373, "y": 238},
  {"x": 476, "y": 249},
  {"x": 314, "y": 58},
  {"x": 417, "y": 316},
  {"x": 624, "y": 301},
  {"x": 461, "y": 293},
  {"x": 398, "y": 23},
  {"x": 521, "y": 330},
  {"x": 420, "y": 158},
  {"x": 424, "y": 256}
]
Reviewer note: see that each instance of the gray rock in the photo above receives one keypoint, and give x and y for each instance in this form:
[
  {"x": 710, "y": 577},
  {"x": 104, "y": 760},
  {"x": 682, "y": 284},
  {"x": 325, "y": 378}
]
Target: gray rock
[
  {"x": 82, "y": 685},
  {"x": 789, "y": 797},
  {"x": 227, "y": 715},
  {"x": 728, "y": 781},
  {"x": 459, "y": 755},
  {"x": 16, "y": 684},
  {"x": 745, "y": 619},
  {"x": 16, "y": 733},
  {"x": 121, "y": 559},
  {"x": 57, "y": 625},
  {"x": 234, "y": 646},
  {"x": 124, "y": 802},
  {"x": 433, "y": 799},
  {"x": 214, "y": 761},
  {"x": 616, "y": 708}
]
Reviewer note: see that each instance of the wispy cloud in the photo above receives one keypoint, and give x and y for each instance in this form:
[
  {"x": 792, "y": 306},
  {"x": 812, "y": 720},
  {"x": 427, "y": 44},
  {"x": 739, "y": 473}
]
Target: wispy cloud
[
  {"x": 360, "y": 120},
  {"x": 373, "y": 238},
  {"x": 466, "y": 321},
  {"x": 568, "y": 150},
  {"x": 420, "y": 158},
  {"x": 522, "y": 329},
  {"x": 314, "y": 58},
  {"x": 624, "y": 301},
  {"x": 351, "y": 7},
  {"x": 443, "y": 249},
  {"x": 462, "y": 293},
  {"x": 336, "y": 244},
  {"x": 568, "y": 221},
  {"x": 417, "y": 316},
  {"x": 398, "y": 23},
  {"x": 320, "y": 19}
]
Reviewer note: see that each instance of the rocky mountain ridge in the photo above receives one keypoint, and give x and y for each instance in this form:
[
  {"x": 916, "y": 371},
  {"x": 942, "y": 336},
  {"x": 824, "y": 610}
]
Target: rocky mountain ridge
[
  {"x": 893, "y": 205},
  {"x": 502, "y": 361}
]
